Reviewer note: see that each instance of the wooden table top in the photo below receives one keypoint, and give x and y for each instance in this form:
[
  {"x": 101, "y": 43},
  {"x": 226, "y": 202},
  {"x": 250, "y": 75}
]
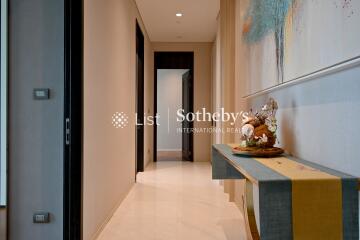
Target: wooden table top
[{"x": 256, "y": 172}]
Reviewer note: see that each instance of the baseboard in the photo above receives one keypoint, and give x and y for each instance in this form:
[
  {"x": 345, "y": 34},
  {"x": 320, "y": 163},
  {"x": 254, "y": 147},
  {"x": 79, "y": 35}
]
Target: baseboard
[
  {"x": 169, "y": 150},
  {"x": 110, "y": 215}
]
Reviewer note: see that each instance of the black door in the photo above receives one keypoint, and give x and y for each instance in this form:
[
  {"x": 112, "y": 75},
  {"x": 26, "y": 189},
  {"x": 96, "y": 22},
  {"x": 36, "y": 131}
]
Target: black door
[
  {"x": 73, "y": 120},
  {"x": 139, "y": 100},
  {"x": 177, "y": 60},
  {"x": 187, "y": 104}
]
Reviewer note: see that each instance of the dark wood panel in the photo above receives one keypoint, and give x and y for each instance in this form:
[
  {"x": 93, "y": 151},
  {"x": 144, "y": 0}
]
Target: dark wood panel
[
  {"x": 187, "y": 105},
  {"x": 73, "y": 120},
  {"x": 139, "y": 99}
]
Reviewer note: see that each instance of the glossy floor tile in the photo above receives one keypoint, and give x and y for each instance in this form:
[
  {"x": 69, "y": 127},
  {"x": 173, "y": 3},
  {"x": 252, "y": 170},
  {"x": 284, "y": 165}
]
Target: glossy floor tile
[
  {"x": 169, "y": 156},
  {"x": 176, "y": 201}
]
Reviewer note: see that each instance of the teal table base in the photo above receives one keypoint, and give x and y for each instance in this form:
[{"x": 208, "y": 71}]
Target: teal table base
[{"x": 275, "y": 208}]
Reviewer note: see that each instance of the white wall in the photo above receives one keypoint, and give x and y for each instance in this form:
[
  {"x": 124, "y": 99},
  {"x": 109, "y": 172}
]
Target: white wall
[
  {"x": 317, "y": 120},
  {"x": 202, "y": 89},
  {"x": 109, "y": 87},
  {"x": 169, "y": 100}
]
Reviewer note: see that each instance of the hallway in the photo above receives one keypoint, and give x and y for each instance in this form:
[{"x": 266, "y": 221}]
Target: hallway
[{"x": 175, "y": 201}]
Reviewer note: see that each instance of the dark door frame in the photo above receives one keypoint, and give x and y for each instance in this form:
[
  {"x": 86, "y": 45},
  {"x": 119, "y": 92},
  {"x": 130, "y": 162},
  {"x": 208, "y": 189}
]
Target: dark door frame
[
  {"x": 73, "y": 119},
  {"x": 139, "y": 155},
  {"x": 187, "y": 105},
  {"x": 171, "y": 60}
]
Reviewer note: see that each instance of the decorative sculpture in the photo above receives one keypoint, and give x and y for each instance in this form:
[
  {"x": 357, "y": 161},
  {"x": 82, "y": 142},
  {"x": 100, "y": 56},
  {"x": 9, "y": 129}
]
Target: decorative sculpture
[{"x": 258, "y": 132}]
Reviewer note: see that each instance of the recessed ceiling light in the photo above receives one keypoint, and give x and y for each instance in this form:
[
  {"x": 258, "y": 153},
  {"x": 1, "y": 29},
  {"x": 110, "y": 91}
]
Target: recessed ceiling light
[{"x": 179, "y": 14}]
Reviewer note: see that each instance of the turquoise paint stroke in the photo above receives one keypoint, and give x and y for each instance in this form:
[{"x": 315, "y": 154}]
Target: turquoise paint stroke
[{"x": 266, "y": 17}]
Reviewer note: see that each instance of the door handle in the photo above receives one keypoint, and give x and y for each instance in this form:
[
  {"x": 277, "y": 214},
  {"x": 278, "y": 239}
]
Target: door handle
[{"x": 67, "y": 131}]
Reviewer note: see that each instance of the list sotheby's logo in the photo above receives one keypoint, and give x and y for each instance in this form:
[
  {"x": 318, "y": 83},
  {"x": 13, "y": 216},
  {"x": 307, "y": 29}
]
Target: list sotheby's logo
[{"x": 121, "y": 120}]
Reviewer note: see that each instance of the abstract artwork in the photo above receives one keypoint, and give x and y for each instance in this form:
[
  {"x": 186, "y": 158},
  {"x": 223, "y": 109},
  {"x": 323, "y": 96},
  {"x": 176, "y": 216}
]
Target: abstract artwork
[
  {"x": 268, "y": 17},
  {"x": 288, "y": 39}
]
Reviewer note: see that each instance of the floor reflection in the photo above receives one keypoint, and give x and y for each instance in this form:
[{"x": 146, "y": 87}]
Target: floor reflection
[{"x": 178, "y": 201}]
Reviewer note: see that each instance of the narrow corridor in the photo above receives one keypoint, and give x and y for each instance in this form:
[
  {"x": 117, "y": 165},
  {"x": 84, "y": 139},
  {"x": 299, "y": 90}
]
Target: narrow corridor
[{"x": 175, "y": 201}]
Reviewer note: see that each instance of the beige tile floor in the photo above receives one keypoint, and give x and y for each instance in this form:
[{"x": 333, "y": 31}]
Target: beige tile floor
[
  {"x": 169, "y": 156},
  {"x": 176, "y": 201}
]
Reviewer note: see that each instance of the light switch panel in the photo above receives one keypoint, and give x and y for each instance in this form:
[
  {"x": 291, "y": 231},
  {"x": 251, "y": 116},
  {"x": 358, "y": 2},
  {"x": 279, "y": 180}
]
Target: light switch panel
[
  {"x": 41, "y": 217},
  {"x": 41, "y": 93}
]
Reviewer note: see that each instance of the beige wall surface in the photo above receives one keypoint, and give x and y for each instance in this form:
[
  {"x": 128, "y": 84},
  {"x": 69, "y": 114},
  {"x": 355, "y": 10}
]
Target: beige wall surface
[
  {"x": 202, "y": 89},
  {"x": 148, "y": 99},
  {"x": 231, "y": 87},
  {"x": 109, "y": 87},
  {"x": 227, "y": 61}
]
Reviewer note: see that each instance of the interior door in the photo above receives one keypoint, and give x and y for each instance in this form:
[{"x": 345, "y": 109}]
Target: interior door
[
  {"x": 140, "y": 100},
  {"x": 187, "y": 104},
  {"x": 73, "y": 120}
]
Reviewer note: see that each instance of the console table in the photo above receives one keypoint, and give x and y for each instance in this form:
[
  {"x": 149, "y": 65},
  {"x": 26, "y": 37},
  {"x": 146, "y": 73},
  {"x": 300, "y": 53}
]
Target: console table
[{"x": 297, "y": 199}]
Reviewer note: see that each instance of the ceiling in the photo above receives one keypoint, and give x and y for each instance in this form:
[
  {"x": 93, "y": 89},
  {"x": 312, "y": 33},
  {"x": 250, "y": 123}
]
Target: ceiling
[{"x": 198, "y": 23}]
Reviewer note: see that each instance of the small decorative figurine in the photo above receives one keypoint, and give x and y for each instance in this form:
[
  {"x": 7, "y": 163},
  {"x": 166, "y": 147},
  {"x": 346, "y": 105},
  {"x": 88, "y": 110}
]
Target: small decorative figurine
[{"x": 258, "y": 132}]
